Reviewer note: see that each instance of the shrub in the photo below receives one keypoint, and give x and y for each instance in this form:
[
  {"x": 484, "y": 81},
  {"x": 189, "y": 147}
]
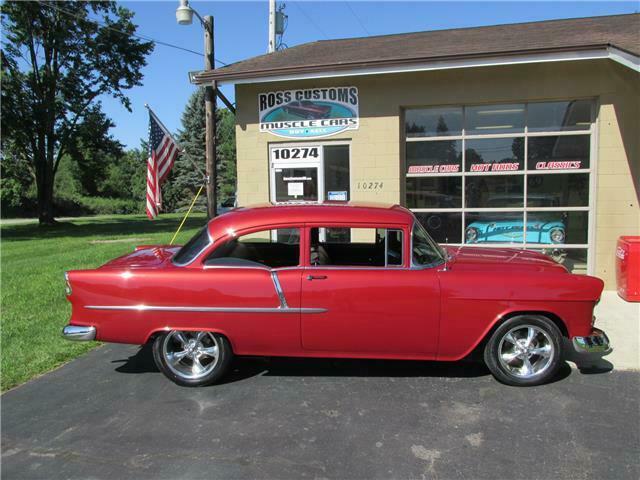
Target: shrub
[{"x": 79, "y": 205}]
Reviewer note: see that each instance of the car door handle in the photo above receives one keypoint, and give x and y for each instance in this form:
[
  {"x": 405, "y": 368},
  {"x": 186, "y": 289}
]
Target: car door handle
[{"x": 316, "y": 277}]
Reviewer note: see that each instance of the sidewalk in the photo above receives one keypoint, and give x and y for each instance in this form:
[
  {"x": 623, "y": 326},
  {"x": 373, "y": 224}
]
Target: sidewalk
[{"x": 621, "y": 322}]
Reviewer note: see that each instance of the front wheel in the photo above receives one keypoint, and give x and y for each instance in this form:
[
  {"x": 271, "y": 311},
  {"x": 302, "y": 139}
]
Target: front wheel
[
  {"x": 524, "y": 351},
  {"x": 192, "y": 359}
]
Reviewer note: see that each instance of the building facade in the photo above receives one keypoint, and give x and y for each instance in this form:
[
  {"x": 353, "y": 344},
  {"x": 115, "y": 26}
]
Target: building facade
[{"x": 539, "y": 153}]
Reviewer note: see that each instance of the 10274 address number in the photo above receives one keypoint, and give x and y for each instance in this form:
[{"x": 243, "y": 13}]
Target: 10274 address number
[{"x": 369, "y": 185}]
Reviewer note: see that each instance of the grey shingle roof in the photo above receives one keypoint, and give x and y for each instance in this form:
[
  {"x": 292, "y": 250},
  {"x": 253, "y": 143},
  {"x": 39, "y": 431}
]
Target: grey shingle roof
[{"x": 620, "y": 31}]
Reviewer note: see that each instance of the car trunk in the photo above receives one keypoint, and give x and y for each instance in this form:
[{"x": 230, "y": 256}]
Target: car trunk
[{"x": 145, "y": 256}]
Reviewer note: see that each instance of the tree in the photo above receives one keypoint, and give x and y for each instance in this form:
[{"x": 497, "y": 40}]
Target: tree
[
  {"x": 188, "y": 172},
  {"x": 56, "y": 61}
]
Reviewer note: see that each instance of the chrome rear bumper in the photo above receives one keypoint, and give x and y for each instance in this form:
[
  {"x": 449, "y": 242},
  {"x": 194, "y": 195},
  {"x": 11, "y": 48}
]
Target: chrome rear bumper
[
  {"x": 597, "y": 342},
  {"x": 79, "y": 333}
]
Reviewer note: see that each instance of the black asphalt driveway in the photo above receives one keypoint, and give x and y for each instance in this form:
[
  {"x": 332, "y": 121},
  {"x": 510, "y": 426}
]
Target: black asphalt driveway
[{"x": 111, "y": 415}]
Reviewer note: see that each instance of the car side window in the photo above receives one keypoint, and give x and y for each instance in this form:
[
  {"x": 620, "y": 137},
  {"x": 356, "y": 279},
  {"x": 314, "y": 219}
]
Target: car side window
[
  {"x": 356, "y": 247},
  {"x": 268, "y": 248},
  {"x": 193, "y": 247}
]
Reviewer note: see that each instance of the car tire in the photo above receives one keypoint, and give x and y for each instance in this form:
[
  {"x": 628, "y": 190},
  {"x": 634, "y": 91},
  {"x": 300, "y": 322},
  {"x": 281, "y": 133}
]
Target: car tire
[
  {"x": 192, "y": 358},
  {"x": 525, "y": 350}
]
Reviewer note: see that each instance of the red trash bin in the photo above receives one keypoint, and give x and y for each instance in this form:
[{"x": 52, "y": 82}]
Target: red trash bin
[{"x": 628, "y": 268}]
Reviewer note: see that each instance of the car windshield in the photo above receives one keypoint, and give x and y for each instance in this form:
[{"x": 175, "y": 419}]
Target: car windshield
[
  {"x": 193, "y": 247},
  {"x": 426, "y": 252}
]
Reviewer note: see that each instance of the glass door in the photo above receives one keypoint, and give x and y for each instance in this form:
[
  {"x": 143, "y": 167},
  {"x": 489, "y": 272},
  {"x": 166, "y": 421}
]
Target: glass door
[{"x": 309, "y": 172}]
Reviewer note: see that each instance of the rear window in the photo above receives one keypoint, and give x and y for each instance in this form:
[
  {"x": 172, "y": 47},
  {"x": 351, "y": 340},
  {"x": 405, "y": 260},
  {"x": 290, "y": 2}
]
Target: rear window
[{"x": 193, "y": 247}]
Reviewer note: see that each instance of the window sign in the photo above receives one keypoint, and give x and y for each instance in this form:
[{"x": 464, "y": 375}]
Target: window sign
[
  {"x": 295, "y": 189},
  {"x": 308, "y": 113},
  {"x": 441, "y": 156},
  {"x": 340, "y": 196},
  {"x": 495, "y": 155},
  {"x": 566, "y": 152}
]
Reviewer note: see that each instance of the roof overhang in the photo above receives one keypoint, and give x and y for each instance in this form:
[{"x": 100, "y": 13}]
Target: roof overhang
[{"x": 627, "y": 59}]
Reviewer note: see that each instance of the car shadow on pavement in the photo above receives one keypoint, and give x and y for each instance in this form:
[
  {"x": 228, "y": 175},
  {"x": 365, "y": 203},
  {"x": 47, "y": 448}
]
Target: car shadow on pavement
[
  {"x": 141, "y": 362},
  {"x": 247, "y": 367}
]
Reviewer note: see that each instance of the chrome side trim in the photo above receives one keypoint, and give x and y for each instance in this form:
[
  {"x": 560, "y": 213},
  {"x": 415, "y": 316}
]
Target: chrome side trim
[
  {"x": 239, "y": 267},
  {"x": 156, "y": 308},
  {"x": 279, "y": 291},
  {"x": 79, "y": 333}
]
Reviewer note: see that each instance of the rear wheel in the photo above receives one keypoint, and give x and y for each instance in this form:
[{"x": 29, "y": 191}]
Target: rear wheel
[
  {"x": 524, "y": 351},
  {"x": 192, "y": 359}
]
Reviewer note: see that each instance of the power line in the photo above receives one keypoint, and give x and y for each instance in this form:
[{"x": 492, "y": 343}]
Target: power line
[
  {"x": 141, "y": 37},
  {"x": 357, "y": 18},
  {"x": 311, "y": 20}
]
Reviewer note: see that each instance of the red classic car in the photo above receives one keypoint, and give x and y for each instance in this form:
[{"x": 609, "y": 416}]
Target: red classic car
[
  {"x": 331, "y": 280},
  {"x": 307, "y": 109}
]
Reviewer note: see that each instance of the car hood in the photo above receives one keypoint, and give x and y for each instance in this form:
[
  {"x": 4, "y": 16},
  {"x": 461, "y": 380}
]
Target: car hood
[
  {"x": 478, "y": 258},
  {"x": 145, "y": 256}
]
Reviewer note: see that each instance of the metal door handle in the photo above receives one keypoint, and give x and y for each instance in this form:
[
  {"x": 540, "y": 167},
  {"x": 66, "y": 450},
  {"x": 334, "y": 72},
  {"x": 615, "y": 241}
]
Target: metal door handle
[{"x": 316, "y": 277}]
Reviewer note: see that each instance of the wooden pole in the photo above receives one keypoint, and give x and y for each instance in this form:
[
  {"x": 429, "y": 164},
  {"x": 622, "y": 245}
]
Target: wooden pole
[{"x": 210, "y": 120}]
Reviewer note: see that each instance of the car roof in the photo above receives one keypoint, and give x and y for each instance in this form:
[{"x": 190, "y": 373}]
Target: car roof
[{"x": 266, "y": 214}]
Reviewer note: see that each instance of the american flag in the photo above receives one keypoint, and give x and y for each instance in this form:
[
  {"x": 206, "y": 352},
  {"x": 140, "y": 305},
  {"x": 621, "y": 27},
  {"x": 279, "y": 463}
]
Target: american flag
[{"x": 163, "y": 151}]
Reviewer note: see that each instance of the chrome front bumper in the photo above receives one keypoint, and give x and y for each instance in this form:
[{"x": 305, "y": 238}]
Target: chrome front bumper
[
  {"x": 597, "y": 342},
  {"x": 78, "y": 333}
]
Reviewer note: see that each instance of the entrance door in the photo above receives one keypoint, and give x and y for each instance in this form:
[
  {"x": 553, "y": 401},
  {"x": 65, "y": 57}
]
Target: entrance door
[{"x": 309, "y": 172}]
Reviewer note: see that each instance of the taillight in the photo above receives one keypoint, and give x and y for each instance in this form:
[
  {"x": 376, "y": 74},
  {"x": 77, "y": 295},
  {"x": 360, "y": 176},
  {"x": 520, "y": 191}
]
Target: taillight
[{"x": 67, "y": 284}]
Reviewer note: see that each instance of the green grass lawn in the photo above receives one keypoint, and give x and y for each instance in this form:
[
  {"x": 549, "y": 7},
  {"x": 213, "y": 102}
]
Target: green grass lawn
[{"x": 34, "y": 259}]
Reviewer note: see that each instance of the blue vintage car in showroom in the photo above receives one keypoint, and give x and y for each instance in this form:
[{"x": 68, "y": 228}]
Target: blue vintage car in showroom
[
  {"x": 548, "y": 231},
  {"x": 494, "y": 229}
]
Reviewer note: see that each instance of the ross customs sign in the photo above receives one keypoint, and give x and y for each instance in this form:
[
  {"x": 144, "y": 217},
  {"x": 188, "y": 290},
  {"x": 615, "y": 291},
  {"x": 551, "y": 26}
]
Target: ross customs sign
[{"x": 309, "y": 113}]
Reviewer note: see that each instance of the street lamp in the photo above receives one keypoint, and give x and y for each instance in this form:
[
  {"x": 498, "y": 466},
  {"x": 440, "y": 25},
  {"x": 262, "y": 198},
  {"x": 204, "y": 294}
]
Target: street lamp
[{"x": 184, "y": 16}]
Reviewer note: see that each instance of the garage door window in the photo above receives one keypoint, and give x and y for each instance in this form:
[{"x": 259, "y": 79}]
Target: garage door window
[{"x": 515, "y": 174}]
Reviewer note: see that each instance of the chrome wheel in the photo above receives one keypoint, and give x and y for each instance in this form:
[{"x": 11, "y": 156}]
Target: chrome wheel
[
  {"x": 191, "y": 355},
  {"x": 526, "y": 351}
]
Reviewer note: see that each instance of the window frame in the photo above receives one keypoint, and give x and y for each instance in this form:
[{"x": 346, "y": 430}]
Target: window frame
[
  {"x": 406, "y": 243},
  {"x": 230, "y": 235},
  {"x": 592, "y": 132}
]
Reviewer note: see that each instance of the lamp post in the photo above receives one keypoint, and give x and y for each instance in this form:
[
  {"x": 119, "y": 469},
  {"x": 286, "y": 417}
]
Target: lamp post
[{"x": 184, "y": 16}]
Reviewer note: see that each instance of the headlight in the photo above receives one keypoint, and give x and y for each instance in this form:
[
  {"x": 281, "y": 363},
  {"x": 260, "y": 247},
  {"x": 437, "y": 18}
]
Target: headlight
[
  {"x": 472, "y": 234},
  {"x": 67, "y": 285},
  {"x": 557, "y": 235}
]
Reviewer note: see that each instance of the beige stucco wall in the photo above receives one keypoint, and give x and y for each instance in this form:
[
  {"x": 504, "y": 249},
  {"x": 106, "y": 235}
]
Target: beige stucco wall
[{"x": 376, "y": 148}]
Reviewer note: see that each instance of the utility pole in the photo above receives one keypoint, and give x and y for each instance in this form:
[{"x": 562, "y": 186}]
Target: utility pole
[
  {"x": 210, "y": 121},
  {"x": 184, "y": 16},
  {"x": 272, "y": 26}
]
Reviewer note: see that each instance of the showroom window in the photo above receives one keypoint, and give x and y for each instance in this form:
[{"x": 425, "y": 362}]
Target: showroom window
[{"x": 515, "y": 174}]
